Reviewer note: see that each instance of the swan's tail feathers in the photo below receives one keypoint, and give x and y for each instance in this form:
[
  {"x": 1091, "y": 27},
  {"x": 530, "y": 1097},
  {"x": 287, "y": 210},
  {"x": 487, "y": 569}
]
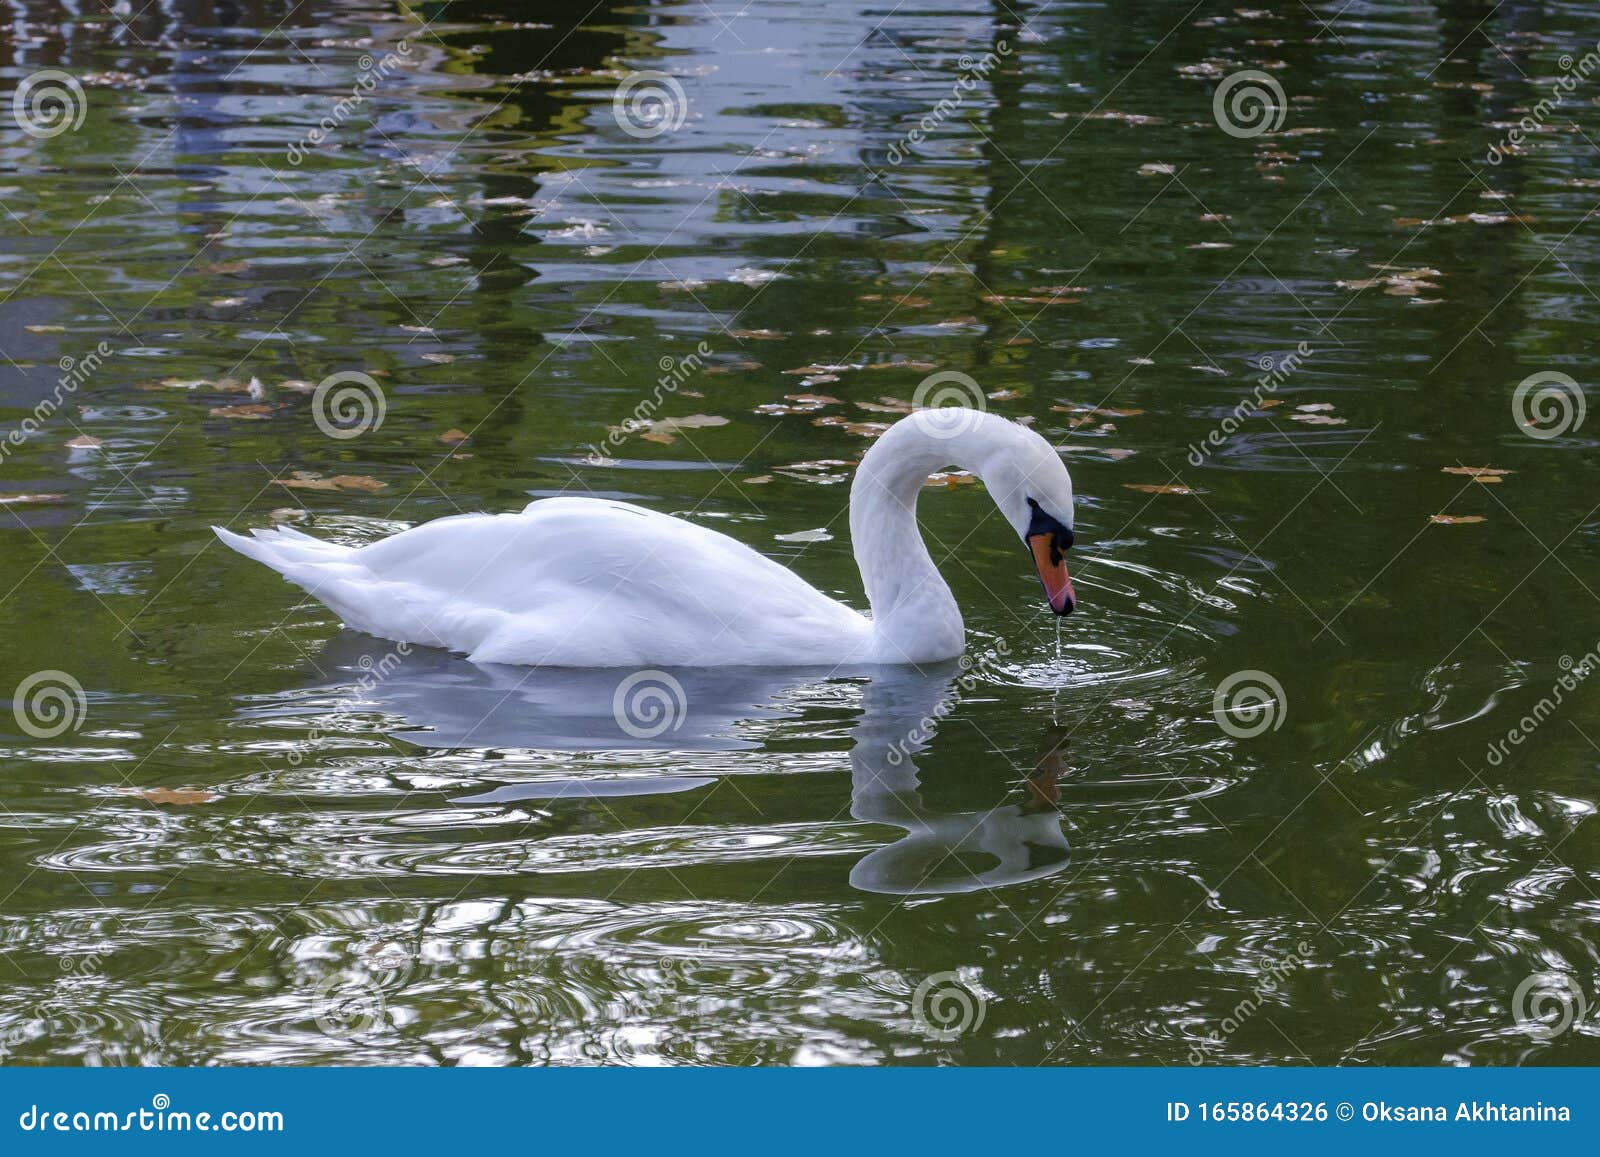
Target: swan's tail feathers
[{"x": 286, "y": 551}]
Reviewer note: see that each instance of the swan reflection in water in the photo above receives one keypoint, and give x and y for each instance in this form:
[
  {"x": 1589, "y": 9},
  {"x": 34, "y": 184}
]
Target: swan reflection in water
[{"x": 452, "y": 704}]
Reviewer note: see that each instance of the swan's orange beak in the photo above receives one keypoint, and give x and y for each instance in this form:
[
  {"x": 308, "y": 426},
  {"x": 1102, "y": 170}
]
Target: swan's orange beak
[{"x": 1053, "y": 573}]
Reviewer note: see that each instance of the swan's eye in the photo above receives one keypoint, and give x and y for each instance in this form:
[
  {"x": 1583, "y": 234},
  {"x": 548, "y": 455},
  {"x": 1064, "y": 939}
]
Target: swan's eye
[{"x": 1041, "y": 523}]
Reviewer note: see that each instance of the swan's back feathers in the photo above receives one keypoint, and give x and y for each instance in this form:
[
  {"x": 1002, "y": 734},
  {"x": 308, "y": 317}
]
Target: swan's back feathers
[{"x": 566, "y": 581}]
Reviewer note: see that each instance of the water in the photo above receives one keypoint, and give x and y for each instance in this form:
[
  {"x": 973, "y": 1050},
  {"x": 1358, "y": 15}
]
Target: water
[{"x": 266, "y": 840}]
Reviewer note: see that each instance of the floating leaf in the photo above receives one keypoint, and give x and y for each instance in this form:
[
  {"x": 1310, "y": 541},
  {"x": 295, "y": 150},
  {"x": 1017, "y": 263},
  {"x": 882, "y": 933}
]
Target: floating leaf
[
  {"x": 180, "y": 796},
  {"x": 45, "y": 328},
  {"x": 1151, "y": 488},
  {"x": 453, "y": 437},
  {"x": 661, "y": 429},
  {"x": 758, "y": 480},
  {"x": 306, "y": 480},
  {"x": 19, "y": 499},
  {"x": 818, "y": 535},
  {"x": 1480, "y": 473},
  {"x": 253, "y": 411},
  {"x": 225, "y": 267},
  {"x": 864, "y": 429},
  {"x": 1454, "y": 519}
]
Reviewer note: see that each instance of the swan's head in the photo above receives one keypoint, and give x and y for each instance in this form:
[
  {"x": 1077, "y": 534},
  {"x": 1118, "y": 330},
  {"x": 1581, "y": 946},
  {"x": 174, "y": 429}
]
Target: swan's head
[{"x": 1030, "y": 484}]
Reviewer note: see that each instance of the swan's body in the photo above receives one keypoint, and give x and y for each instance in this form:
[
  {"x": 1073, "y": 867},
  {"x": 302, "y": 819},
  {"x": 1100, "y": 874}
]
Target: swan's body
[{"x": 585, "y": 582}]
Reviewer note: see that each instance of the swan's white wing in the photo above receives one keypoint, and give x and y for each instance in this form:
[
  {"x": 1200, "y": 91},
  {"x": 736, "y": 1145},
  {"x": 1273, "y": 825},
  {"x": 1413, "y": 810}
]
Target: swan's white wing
[{"x": 574, "y": 582}]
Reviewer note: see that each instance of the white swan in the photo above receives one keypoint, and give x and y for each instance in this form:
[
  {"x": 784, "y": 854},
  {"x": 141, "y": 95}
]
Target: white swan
[{"x": 587, "y": 582}]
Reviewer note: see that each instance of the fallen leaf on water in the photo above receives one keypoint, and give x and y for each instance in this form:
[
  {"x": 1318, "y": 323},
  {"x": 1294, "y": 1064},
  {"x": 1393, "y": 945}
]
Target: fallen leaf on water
[
  {"x": 439, "y": 359},
  {"x": 1453, "y": 519},
  {"x": 865, "y": 429},
  {"x": 253, "y": 411},
  {"x": 1478, "y": 473},
  {"x": 661, "y": 429},
  {"x": 299, "y": 386},
  {"x": 887, "y": 406},
  {"x": 1127, "y": 118},
  {"x": 306, "y": 480},
  {"x": 1156, "y": 168},
  {"x": 950, "y": 479},
  {"x": 758, "y": 480},
  {"x": 45, "y": 328},
  {"x": 757, "y": 334},
  {"x": 84, "y": 442},
  {"x": 1317, "y": 419},
  {"x": 1099, "y": 410},
  {"x": 225, "y": 267},
  {"x": 818, "y": 535},
  {"x": 172, "y": 795},
  {"x": 453, "y": 437},
  {"x": 1150, "y": 488},
  {"x": 18, "y": 499}
]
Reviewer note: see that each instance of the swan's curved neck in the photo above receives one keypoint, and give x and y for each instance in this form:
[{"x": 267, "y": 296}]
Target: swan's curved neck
[{"x": 914, "y": 615}]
